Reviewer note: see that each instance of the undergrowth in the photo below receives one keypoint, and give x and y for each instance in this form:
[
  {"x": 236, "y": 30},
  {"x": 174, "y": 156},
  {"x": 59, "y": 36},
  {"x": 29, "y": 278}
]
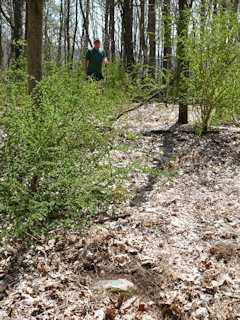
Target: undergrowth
[
  {"x": 54, "y": 156},
  {"x": 55, "y": 164}
]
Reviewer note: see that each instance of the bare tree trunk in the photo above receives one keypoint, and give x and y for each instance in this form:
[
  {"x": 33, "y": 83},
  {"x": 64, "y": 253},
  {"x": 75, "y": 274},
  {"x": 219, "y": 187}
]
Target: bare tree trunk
[
  {"x": 106, "y": 29},
  {"x": 182, "y": 65},
  {"x": 128, "y": 44},
  {"x": 68, "y": 30},
  {"x": 17, "y": 32},
  {"x": 34, "y": 40},
  {"x": 75, "y": 31},
  {"x": 167, "y": 50},
  {"x": 86, "y": 23},
  {"x": 122, "y": 51},
  {"x": 59, "y": 54},
  {"x": 1, "y": 49},
  {"x": 152, "y": 31},
  {"x": 142, "y": 48},
  {"x": 26, "y": 21},
  {"x": 47, "y": 41},
  {"x": 8, "y": 19},
  {"x": 112, "y": 29},
  {"x": 203, "y": 15}
]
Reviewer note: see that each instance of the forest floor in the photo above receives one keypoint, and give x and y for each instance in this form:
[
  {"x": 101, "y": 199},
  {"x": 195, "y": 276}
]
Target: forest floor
[{"x": 179, "y": 245}]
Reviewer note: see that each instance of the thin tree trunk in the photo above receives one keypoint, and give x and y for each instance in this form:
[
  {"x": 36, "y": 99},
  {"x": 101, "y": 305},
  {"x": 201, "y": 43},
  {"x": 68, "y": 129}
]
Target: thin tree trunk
[
  {"x": 128, "y": 44},
  {"x": 112, "y": 29},
  {"x": 10, "y": 12},
  {"x": 75, "y": 31},
  {"x": 86, "y": 23},
  {"x": 203, "y": 16},
  {"x": 106, "y": 29},
  {"x": 152, "y": 41},
  {"x": 17, "y": 34},
  {"x": 142, "y": 50},
  {"x": 1, "y": 49},
  {"x": 182, "y": 65},
  {"x": 59, "y": 54},
  {"x": 34, "y": 40},
  {"x": 9, "y": 18},
  {"x": 167, "y": 50},
  {"x": 46, "y": 46},
  {"x": 26, "y": 21},
  {"x": 122, "y": 52},
  {"x": 68, "y": 30}
]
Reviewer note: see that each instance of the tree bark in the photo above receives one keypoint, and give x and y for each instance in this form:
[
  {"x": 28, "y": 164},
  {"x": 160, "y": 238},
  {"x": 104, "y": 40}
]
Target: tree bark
[
  {"x": 112, "y": 29},
  {"x": 75, "y": 31},
  {"x": 68, "y": 31},
  {"x": 59, "y": 54},
  {"x": 167, "y": 50},
  {"x": 143, "y": 47},
  {"x": 5, "y": 16},
  {"x": 1, "y": 49},
  {"x": 34, "y": 41},
  {"x": 17, "y": 32},
  {"x": 152, "y": 41},
  {"x": 128, "y": 43},
  {"x": 26, "y": 21},
  {"x": 182, "y": 64},
  {"x": 47, "y": 41},
  {"x": 86, "y": 23},
  {"x": 106, "y": 28}
]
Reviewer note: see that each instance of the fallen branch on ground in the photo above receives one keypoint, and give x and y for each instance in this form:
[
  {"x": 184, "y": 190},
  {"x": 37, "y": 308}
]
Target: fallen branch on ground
[
  {"x": 139, "y": 105},
  {"x": 101, "y": 221}
]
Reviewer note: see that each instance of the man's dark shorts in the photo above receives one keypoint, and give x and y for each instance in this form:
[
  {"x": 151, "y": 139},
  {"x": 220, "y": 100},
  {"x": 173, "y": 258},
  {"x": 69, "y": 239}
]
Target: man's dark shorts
[{"x": 96, "y": 76}]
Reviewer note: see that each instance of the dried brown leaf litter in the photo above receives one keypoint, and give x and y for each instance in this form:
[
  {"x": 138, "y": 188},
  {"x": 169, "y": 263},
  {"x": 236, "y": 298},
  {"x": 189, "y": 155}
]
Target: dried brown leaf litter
[{"x": 177, "y": 240}]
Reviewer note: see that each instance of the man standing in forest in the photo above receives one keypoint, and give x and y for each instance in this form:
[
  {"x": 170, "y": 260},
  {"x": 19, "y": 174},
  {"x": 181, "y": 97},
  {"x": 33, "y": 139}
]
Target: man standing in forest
[{"x": 93, "y": 61}]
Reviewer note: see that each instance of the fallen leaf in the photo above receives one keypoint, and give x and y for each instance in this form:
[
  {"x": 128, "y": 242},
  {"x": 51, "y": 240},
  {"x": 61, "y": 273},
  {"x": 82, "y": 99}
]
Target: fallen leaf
[
  {"x": 120, "y": 301},
  {"x": 110, "y": 314},
  {"x": 208, "y": 265},
  {"x": 141, "y": 307}
]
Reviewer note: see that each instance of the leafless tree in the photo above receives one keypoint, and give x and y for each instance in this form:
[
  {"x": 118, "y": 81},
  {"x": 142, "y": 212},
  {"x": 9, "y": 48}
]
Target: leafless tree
[
  {"x": 128, "y": 36},
  {"x": 152, "y": 33},
  {"x": 34, "y": 41}
]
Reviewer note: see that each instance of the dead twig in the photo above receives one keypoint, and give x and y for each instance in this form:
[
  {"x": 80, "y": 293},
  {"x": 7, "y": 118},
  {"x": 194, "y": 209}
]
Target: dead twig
[
  {"x": 139, "y": 105},
  {"x": 101, "y": 221}
]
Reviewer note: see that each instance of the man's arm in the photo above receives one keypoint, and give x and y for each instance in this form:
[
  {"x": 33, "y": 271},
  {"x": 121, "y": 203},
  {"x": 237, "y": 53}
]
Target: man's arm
[
  {"x": 105, "y": 60},
  {"x": 85, "y": 66}
]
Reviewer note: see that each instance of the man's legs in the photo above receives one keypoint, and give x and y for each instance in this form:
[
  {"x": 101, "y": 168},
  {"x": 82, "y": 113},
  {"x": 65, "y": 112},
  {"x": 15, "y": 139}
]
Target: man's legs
[{"x": 95, "y": 76}]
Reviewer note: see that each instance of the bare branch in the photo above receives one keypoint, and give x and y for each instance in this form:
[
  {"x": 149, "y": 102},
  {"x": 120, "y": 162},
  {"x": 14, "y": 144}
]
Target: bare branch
[
  {"x": 85, "y": 22},
  {"x": 139, "y": 105}
]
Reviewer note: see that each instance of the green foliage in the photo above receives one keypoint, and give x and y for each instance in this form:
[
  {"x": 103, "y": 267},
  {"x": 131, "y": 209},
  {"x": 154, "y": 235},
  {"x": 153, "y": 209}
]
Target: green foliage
[
  {"x": 54, "y": 159},
  {"x": 126, "y": 86},
  {"x": 213, "y": 55}
]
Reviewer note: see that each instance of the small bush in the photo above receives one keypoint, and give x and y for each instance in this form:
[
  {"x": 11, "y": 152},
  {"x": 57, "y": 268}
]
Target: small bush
[
  {"x": 213, "y": 54},
  {"x": 54, "y": 156}
]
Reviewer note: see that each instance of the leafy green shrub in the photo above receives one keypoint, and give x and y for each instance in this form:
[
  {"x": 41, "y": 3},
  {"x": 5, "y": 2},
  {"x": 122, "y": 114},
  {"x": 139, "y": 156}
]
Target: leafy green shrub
[
  {"x": 213, "y": 54},
  {"x": 54, "y": 160},
  {"x": 125, "y": 86}
]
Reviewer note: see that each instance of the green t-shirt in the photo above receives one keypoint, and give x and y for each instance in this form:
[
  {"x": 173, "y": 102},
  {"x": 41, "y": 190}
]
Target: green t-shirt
[{"x": 95, "y": 58}]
